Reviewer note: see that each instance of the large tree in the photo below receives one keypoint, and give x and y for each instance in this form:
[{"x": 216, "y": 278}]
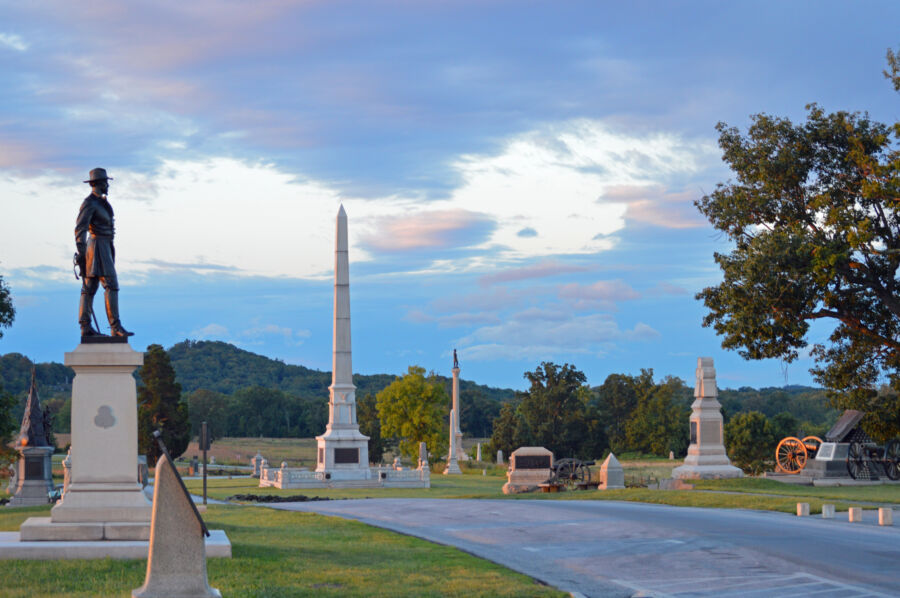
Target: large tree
[
  {"x": 412, "y": 409},
  {"x": 160, "y": 407},
  {"x": 814, "y": 218},
  {"x": 7, "y": 311},
  {"x": 554, "y": 412}
]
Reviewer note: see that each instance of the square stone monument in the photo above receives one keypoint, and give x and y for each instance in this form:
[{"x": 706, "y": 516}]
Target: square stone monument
[
  {"x": 529, "y": 466},
  {"x": 706, "y": 458},
  {"x": 104, "y": 500}
]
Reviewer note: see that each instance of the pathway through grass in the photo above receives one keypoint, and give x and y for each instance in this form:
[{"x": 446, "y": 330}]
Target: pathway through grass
[{"x": 279, "y": 554}]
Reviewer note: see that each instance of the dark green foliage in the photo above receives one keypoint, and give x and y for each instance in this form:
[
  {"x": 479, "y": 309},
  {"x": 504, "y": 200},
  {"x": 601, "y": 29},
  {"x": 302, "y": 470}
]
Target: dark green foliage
[
  {"x": 7, "y": 310},
  {"x": 507, "y": 430},
  {"x": 210, "y": 407},
  {"x": 617, "y": 398},
  {"x": 9, "y": 426},
  {"x": 54, "y": 380},
  {"x": 809, "y": 406},
  {"x": 413, "y": 409},
  {"x": 370, "y": 425},
  {"x": 784, "y": 424},
  {"x": 160, "y": 407},
  {"x": 750, "y": 442},
  {"x": 815, "y": 222},
  {"x": 478, "y": 412},
  {"x": 554, "y": 413},
  {"x": 658, "y": 423}
]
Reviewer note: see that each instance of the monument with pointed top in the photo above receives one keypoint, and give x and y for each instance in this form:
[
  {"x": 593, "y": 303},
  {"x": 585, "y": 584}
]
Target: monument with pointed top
[
  {"x": 706, "y": 456},
  {"x": 343, "y": 451},
  {"x": 33, "y": 471},
  {"x": 455, "y": 449}
]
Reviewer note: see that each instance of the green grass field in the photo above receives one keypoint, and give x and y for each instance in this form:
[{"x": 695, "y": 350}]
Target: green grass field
[{"x": 280, "y": 554}]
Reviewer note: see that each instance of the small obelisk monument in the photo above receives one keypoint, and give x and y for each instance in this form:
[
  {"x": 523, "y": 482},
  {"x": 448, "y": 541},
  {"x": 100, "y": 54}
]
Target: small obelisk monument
[
  {"x": 453, "y": 455},
  {"x": 33, "y": 470},
  {"x": 706, "y": 456},
  {"x": 343, "y": 451}
]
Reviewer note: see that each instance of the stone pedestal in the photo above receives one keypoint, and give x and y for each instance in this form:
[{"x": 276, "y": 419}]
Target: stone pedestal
[
  {"x": 529, "y": 466},
  {"x": 706, "y": 458},
  {"x": 103, "y": 496},
  {"x": 453, "y": 456},
  {"x": 34, "y": 477}
]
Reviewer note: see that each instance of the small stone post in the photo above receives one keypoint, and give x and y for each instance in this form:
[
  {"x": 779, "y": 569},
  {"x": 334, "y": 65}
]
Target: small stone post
[
  {"x": 499, "y": 457},
  {"x": 176, "y": 561},
  {"x": 478, "y": 453}
]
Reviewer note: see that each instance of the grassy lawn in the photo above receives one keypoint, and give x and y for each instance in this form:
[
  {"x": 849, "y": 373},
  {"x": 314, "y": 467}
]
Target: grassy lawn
[
  {"x": 477, "y": 486},
  {"x": 887, "y": 493},
  {"x": 280, "y": 554}
]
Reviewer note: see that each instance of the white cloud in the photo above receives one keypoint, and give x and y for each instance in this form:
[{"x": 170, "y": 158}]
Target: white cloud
[
  {"x": 290, "y": 336},
  {"x": 551, "y": 333},
  {"x": 226, "y": 215},
  {"x": 210, "y": 331},
  {"x": 13, "y": 42}
]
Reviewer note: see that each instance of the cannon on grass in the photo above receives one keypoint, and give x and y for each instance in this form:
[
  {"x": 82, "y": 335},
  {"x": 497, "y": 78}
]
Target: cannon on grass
[
  {"x": 569, "y": 474},
  {"x": 792, "y": 453}
]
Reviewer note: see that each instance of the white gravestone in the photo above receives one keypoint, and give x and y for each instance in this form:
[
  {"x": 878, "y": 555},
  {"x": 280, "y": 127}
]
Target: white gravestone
[
  {"x": 706, "y": 458},
  {"x": 499, "y": 457}
]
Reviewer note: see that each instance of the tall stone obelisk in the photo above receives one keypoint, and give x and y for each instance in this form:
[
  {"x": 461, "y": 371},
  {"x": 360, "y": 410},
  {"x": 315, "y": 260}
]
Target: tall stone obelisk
[
  {"x": 455, "y": 450},
  {"x": 343, "y": 451}
]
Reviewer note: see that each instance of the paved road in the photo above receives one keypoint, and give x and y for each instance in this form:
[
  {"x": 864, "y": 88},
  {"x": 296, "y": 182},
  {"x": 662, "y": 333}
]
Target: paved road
[{"x": 618, "y": 549}]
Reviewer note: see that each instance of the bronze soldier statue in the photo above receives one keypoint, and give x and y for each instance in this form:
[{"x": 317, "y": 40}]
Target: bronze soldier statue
[{"x": 96, "y": 256}]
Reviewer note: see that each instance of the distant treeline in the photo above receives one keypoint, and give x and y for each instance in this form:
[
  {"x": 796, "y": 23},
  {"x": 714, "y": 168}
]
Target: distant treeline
[{"x": 244, "y": 394}]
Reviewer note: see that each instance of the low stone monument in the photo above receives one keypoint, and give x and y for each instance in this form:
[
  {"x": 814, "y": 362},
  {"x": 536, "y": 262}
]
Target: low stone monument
[
  {"x": 478, "y": 453},
  {"x": 256, "y": 462},
  {"x": 499, "y": 457},
  {"x": 34, "y": 476},
  {"x": 176, "y": 562},
  {"x": 529, "y": 466},
  {"x": 612, "y": 475},
  {"x": 706, "y": 458}
]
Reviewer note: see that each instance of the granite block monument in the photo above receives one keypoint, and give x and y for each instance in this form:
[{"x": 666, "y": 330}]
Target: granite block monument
[{"x": 706, "y": 458}]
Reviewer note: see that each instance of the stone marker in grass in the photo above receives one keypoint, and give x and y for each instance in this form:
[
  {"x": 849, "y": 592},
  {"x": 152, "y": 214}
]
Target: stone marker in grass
[
  {"x": 176, "y": 564},
  {"x": 612, "y": 475}
]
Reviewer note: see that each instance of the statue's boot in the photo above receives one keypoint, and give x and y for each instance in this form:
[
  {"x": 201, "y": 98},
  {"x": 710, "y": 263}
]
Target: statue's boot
[
  {"x": 84, "y": 316},
  {"x": 112, "y": 312}
]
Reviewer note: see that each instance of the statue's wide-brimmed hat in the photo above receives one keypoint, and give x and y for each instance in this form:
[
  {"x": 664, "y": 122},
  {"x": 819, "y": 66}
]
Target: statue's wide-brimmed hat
[{"x": 98, "y": 174}]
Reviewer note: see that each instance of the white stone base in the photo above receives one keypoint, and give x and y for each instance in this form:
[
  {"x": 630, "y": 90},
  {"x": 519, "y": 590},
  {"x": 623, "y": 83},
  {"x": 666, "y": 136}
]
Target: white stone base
[
  {"x": 371, "y": 477},
  {"x": 706, "y": 472},
  {"x": 452, "y": 468},
  {"x": 12, "y": 547}
]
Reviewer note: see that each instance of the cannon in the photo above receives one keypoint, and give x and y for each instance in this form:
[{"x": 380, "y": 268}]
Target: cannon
[
  {"x": 570, "y": 473},
  {"x": 792, "y": 453}
]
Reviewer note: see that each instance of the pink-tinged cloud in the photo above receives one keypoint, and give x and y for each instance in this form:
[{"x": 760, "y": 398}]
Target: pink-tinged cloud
[
  {"x": 656, "y": 206},
  {"x": 602, "y": 290},
  {"x": 467, "y": 319},
  {"x": 439, "y": 229},
  {"x": 494, "y": 300},
  {"x": 666, "y": 288},
  {"x": 540, "y": 270}
]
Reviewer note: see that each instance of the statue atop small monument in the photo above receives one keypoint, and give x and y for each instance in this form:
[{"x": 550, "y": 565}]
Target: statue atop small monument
[
  {"x": 455, "y": 360},
  {"x": 95, "y": 258}
]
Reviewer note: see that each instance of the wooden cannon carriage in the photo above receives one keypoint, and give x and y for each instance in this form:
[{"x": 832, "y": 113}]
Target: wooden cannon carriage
[{"x": 846, "y": 441}]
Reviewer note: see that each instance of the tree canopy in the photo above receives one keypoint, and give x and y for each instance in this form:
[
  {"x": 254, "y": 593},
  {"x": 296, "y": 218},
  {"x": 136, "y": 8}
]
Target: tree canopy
[
  {"x": 7, "y": 310},
  {"x": 413, "y": 409},
  {"x": 160, "y": 407},
  {"x": 814, "y": 218}
]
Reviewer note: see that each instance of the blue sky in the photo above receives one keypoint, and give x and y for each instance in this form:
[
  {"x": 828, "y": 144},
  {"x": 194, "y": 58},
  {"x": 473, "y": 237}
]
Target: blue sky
[{"x": 518, "y": 176}]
